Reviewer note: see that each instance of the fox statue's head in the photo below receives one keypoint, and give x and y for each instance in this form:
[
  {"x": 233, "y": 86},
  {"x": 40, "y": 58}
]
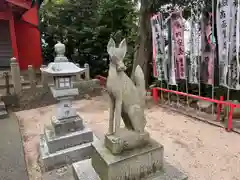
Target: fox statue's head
[{"x": 117, "y": 54}]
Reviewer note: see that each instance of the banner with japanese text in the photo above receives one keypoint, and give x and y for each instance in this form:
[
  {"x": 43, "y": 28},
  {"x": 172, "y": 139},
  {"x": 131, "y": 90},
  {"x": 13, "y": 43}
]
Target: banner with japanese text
[
  {"x": 228, "y": 41},
  {"x": 233, "y": 61},
  {"x": 171, "y": 56},
  {"x": 177, "y": 33},
  {"x": 158, "y": 42},
  {"x": 195, "y": 49},
  {"x": 208, "y": 49},
  {"x": 223, "y": 16}
]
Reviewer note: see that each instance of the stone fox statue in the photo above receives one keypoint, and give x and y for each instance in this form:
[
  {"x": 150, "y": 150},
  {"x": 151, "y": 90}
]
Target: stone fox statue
[{"x": 127, "y": 97}]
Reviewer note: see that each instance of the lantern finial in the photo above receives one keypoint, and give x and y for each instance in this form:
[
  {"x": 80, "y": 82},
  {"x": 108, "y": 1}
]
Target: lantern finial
[{"x": 60, "y": 52}]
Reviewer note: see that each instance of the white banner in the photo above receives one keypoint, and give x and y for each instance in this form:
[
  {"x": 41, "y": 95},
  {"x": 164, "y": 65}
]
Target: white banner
[
  {"x": 228, "y": 42},
  {"x": 233, "y": 73},
  {"x": 223, "y": 17},
  {"x": 177, "y": 34},
  {"x": 172, "y": 73},
  {"x": 195, "y": 46},
  {"x": 159, "y": 57}
]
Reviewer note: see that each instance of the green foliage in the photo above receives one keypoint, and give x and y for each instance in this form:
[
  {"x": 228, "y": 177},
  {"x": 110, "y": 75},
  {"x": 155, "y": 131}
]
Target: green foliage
[{"x": 85, "y": 27}]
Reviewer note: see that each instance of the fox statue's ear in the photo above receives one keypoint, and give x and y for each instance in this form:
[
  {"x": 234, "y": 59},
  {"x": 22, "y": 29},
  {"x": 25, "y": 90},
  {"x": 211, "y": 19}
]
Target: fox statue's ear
[
  {"x": 110, "y": 47},
  {"x": 122, "y": 49}
]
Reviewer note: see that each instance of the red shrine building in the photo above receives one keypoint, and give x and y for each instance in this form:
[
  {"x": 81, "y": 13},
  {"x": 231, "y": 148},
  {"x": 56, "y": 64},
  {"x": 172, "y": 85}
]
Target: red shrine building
[{"x": 19, "y": 33}]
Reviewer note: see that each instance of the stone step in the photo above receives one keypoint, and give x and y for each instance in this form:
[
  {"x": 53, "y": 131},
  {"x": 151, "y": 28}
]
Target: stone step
[
  {"x": 2, "y": 106},
  {"x": 3, "y": 114},
  {"x": 57, "y": 143},
  {"x": 50, "y": 161},
  {"x": 83, "y": 170}
]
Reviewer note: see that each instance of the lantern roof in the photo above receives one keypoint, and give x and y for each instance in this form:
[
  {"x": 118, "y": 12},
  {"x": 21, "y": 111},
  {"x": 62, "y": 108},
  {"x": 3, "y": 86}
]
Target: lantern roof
[
  {"x": 62, "y": 69},
  {"x": 61, "y": 66}
]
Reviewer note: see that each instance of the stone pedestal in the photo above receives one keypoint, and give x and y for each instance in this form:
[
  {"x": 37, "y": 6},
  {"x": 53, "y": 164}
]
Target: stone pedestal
[
  {"x": 15, "y": 73},
  {"x": 65, "y": 143},
  {"x": 84, "y": 171},
  {"x": 66, "y": 140},
  {"x": 140, "y": 163},
  {"x": 125, "y": 140},
  {"x": 3, "y": 110}
]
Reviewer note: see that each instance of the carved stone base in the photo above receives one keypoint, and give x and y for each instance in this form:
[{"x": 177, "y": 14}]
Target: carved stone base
[
  {"x": 64, "y": 142},
  {"x": 49, "y": 161},
  {"x": 68, "y": 125},
  {"x": 57, "y": 143},
  {"x": 125, "y": 139},
  {"x": 83, "y": 170},
  {"x": 144, "y": 163},
  {"x": 139, "y": 162}
]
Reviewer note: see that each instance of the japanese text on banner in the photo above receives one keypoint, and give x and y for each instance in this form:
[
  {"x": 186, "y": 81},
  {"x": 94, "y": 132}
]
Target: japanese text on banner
[{"x": 178, "y": 37}]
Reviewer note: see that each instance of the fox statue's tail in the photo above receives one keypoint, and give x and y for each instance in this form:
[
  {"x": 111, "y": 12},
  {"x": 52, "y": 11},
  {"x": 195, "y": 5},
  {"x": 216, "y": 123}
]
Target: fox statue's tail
[{"x": 140, "y": 83}]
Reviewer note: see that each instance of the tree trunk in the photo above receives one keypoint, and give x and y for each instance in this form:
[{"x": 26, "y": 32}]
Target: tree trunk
[{"x": 143, "y": 52}]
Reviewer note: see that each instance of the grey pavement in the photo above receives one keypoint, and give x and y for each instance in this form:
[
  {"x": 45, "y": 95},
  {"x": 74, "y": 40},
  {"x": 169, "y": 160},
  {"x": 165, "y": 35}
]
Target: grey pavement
[
  {"x": 64, "y": 173},
  {"x": 12, "y": 162}
]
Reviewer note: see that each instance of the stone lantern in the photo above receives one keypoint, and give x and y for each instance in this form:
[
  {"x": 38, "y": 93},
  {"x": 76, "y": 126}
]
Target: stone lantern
[
  {"x": 62, "y": 142},
  {"x": 62, "y": 72}
]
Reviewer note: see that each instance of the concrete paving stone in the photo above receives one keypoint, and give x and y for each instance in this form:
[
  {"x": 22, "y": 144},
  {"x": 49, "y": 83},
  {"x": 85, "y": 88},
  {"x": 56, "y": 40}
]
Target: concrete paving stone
[{"x": 12, "y": 161}]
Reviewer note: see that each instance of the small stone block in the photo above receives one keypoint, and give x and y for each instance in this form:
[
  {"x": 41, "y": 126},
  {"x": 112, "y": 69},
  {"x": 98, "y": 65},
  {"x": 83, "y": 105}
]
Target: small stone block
[
  {"x": 83, "y": 170},
  {"x": 64, "y": 109},
  {"x": 63, "y": 157},
  {"x": 2, "y": 105},
  {"x": 3, "y": 114},
  {"x": 125, "y": 139},
  {"x": 132, "y": 164},
  {"x": 57, "y": 143},
  {"x": 68, "y": 125},
  {"x": 58, "y": 93}
]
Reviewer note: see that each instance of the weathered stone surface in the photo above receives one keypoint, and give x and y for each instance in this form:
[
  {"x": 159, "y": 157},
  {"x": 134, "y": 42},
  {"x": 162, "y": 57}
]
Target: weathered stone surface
[
  {"x": 15, "y": 73},
  {"x": 64, "y": 109},
  {"x": 65, "y": 140},
  {"x": 65, "y": 126},
  {"x": 63, "y": 157},
  {"x": 43, "y": 97},
  {"x": 139, "y": 162},
  {"x": 127, "y": 153},
  {"x": 57, "y": 143},
  {"x": 3, "y": 114},
  {"x": 58, "y": 93},
  {"x": 86, "y": 84},
  {"x": 127, "y": 95},
  {"x": 2, "y": 105},
  {"x": 83, "y": 170},
  {"x": 125, "y": 139},
  {"x": 3, "y": 111}
]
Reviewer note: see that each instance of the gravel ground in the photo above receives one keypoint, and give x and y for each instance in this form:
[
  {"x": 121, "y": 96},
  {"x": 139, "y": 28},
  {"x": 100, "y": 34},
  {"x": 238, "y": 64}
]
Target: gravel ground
[{"x": 202, "y": 151}]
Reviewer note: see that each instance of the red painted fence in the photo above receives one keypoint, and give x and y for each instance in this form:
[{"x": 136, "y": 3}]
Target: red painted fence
[{"x": 220, "y": 103}]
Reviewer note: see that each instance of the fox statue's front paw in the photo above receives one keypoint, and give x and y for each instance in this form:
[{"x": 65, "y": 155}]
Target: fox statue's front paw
[{"x": 109, "y": 133}]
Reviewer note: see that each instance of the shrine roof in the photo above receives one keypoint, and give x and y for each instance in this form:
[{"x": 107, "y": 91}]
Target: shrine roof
[{"x": 26, "y": 4}]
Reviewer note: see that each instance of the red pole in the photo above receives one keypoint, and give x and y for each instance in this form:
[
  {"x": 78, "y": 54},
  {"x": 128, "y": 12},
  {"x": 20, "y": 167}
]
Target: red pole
[
  {"x": 230, "y": 115},
  {"x": 155, "y": 95},
  {"x": 219, "y": 108},
  {"x": 13, "y": 35},
  {"x": 101, "y": 79}
]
